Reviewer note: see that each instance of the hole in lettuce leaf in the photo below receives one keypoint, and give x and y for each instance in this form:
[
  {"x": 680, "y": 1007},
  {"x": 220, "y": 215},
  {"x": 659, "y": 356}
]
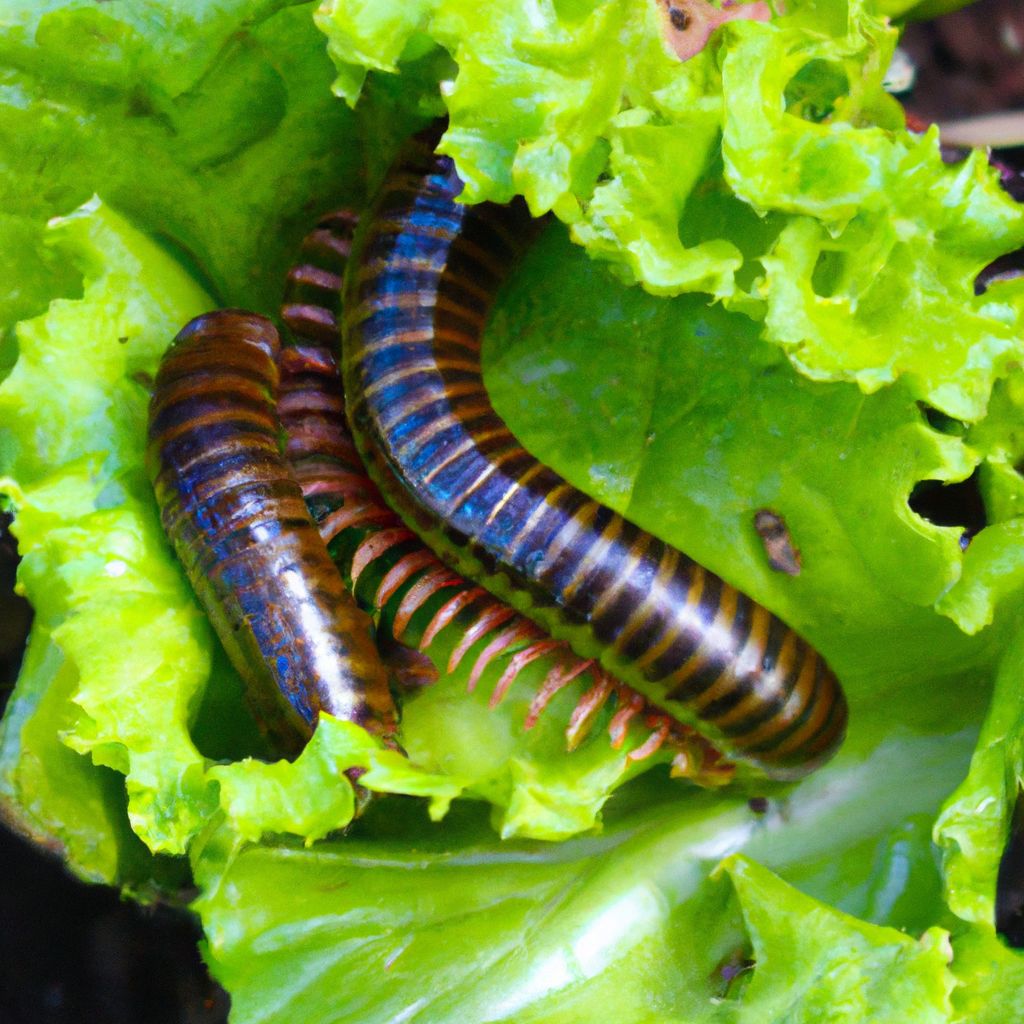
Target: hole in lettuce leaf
[
  {"x": 942, "y": 423},
  {"x": 813, "y": 93},
  {"x": 15, "y": 613},
  {"x": 1010, "y": 882},
  {"x": 1010, "y": 164},
  {"x": 828, "y": 273},
  {"x": 1005, "y": 268},
  {"x": 951, "y": 504},
  {"x": 732, "y": 975}
]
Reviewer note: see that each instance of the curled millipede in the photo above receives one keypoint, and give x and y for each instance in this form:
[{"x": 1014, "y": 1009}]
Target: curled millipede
[
  {"x": 416, "y": 303},
  {"x": 239, "y": 524},
  {"x": 414, "y": 594}
]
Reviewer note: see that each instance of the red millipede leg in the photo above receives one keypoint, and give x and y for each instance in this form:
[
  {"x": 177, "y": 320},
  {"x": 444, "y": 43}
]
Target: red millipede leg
[{"x": 583, "y": 715}]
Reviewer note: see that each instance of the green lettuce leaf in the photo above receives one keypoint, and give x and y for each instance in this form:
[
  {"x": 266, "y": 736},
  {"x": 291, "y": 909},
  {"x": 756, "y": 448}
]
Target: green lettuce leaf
[
  {"x": 990, "y": 978},
  {"x": 849, "y": 239},
  {"x": 53, "y": 796},
  {"x": 972, "y": 828},
  {"x": 971, "y": 831},
  {"x": 814, "y": 963},
  {"x": 309, "y": 797},
  {"x": 993, "y": 568},
  {"x": 626, "y": 925},
  {"x": 95, "y": 563},
  {"x": 209, "y": 125}
]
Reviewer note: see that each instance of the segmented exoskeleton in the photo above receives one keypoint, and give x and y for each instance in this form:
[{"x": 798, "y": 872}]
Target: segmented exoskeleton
[
  {"x": 239, "y": 524},
  {"x": 416, "y": 303},
  {"x": 417, "y": 597}
]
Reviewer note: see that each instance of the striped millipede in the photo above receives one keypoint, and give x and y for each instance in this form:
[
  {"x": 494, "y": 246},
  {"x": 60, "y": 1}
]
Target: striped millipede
[
  {"x": 416, "y": 302},
  {"x": 412, "y": 593},
  {"x": 238, "y": 522}
]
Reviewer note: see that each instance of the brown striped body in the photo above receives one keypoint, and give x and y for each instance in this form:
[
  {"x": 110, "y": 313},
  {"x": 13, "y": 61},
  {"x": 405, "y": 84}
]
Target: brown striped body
[
  {"x": 413, "y": 594},
  {"x": 416, "y": 305},
  {"x": 239, "y": 524}
]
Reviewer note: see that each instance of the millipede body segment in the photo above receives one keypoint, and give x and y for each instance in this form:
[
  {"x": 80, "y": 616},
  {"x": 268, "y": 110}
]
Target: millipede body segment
[
  {"x": 413, "y": 595},
  {"x": 239, "y": 524},
  {"x": 416, "y": 303}
]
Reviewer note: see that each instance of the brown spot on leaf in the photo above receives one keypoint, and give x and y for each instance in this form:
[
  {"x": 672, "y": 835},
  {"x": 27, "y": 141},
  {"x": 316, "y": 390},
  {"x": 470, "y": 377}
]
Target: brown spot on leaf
[
  {"x": 778, "y": 545},
  {"x": 687, "y": 25},
  {"x": 679, "y": 18}
]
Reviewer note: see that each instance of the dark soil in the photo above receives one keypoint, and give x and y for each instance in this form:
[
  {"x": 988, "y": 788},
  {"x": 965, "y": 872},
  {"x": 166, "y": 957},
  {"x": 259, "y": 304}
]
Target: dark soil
[
  {"x": 77, "y": 954},
  {"x": 969, "y": 62}
]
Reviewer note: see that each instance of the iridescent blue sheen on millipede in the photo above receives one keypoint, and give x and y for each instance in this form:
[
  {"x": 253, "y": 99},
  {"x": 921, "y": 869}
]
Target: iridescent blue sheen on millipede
[
  {"x": 416, "y": 304},
  {"x": 417, "y": 601},
  {"x": 238, "y": 522}
]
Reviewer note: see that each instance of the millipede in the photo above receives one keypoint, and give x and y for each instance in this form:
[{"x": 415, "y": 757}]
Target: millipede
[
  {"x": 417, "y": 296},
  {"x": 239, "y": 524},
  {"x": 411, "y": 593}
]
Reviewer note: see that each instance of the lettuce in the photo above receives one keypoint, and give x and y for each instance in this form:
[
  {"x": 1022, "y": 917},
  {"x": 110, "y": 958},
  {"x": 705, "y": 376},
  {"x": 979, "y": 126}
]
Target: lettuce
[
  {"x": 631, "y": 924},
  {"x": 845, "y": 363},
  {"x": 845, "y": 966},
  {"x": 769, "y": 170}
]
